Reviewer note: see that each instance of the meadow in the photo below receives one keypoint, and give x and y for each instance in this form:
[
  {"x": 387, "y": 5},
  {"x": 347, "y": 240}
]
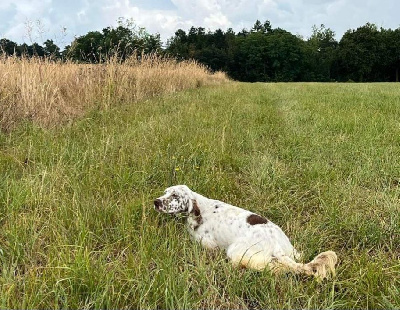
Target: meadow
[{"x": 78, "y": 229}]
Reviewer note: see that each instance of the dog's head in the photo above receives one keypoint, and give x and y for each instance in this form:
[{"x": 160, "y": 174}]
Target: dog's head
[{"x": 176, "y": 199}]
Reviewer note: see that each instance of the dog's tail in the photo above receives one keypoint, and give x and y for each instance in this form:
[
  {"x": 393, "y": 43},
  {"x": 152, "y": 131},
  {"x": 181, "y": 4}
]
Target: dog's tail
[{"x": 320, "y": 267}]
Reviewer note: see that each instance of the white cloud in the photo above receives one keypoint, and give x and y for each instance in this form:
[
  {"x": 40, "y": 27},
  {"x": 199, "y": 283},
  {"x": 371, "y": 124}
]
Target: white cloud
[{"x": 217, "y": 20}]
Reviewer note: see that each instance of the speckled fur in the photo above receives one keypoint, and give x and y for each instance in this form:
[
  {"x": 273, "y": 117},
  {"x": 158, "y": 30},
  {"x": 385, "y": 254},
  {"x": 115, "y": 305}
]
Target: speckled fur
[{"x": 249, "y": 239}]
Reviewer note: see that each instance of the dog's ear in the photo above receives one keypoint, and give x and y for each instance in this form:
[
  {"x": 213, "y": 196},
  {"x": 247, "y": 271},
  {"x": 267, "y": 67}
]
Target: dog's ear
[
  {"x": 196, "y": 209},
  {"x": 192, "y": 207}
]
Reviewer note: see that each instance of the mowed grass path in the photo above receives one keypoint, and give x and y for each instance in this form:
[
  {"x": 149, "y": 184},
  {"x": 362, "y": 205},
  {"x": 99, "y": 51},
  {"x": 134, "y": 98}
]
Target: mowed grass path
[{"x": 77, "y": 227}]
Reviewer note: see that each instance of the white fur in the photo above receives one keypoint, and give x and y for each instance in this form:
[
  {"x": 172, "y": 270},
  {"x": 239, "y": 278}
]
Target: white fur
[{"x": 216, "y": 224}]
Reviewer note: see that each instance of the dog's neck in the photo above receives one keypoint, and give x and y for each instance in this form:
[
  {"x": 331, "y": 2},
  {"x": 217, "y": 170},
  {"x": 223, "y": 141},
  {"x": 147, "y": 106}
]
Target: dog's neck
[{"x": 202, "y": 202}]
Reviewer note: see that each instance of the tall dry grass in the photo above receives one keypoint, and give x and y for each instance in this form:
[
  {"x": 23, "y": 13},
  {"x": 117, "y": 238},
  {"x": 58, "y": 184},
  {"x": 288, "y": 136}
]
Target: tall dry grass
[{"x": 50, "y": 93}]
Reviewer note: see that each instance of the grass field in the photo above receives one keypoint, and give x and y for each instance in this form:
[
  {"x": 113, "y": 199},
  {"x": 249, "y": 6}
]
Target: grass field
[{"x": 77, "y": 228}]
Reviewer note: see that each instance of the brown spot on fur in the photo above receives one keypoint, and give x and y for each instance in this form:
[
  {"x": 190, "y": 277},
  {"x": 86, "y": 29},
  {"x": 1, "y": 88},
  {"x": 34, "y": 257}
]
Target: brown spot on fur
[
  {"x": 255, "y": 219},
  {"x": 196, "y": 214}
]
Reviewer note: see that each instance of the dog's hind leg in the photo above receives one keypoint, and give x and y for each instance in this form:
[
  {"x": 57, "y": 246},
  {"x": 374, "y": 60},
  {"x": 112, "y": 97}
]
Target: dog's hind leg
[{"x": 245, "y": 256}]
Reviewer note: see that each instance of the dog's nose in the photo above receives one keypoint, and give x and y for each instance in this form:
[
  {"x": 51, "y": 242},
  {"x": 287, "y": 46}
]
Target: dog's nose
[{"x": 158, "y": 203}]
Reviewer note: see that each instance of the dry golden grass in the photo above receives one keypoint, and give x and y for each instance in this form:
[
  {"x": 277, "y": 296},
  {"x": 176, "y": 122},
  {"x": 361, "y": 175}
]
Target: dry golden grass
[{"x": 50, "y": 93}]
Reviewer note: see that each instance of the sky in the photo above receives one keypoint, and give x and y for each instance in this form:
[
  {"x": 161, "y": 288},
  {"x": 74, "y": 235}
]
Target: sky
[{"x": 62, "y": 20}]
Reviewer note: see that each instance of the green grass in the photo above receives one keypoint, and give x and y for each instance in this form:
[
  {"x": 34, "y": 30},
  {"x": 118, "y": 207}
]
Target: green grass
[{"x": 77, "y": 228}]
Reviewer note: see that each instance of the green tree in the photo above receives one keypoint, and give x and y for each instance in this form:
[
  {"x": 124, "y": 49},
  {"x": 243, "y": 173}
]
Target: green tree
[
  {"x": 8, "y": 47},
  {"x": 87, "y": 48},
  {"x": 263, "y": 28},
  {"x": 37, "y": 50},
  {"x": 251, "y": 62},
  {"x": 359, "y": 54},
  {"x": 390, "y": 58},
  {"x": 178, "y": 45},
  {"x": 121, "y": 41},
  {"x": 285, "y": 53},
  {"x": 30, "y": 50},
  {"x": 127, "y": 38},
  {"x": 51, "y": 49},
  {"x": 320, "y": 54}
]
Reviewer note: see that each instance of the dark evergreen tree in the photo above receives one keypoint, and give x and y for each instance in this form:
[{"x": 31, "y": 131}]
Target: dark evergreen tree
[{"x": 8, "y": 47}]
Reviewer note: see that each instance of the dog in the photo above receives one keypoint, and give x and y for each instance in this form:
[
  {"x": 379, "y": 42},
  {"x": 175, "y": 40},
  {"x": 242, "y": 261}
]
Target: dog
[{"x": 250, "y": 240}]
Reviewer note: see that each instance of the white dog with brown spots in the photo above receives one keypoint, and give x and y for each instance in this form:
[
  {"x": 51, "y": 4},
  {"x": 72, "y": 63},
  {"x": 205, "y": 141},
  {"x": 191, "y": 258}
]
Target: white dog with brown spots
[{"x": 249, "y": 239}]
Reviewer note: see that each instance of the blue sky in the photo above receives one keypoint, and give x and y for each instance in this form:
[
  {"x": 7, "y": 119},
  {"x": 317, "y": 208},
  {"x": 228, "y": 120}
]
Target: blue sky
[{"x": 62, "y": 20}]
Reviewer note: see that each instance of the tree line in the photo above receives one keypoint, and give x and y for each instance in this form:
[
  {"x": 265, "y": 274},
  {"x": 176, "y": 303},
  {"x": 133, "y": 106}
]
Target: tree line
[
  {"x": 263, "y": 53},
  {"x": 94, "y": 47}
]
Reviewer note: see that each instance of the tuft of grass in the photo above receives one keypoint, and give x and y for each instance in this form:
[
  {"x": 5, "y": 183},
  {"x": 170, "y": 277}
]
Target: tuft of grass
[
  {"x": 77, "y": 227},
  {"x": 49, "y": 93}
]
